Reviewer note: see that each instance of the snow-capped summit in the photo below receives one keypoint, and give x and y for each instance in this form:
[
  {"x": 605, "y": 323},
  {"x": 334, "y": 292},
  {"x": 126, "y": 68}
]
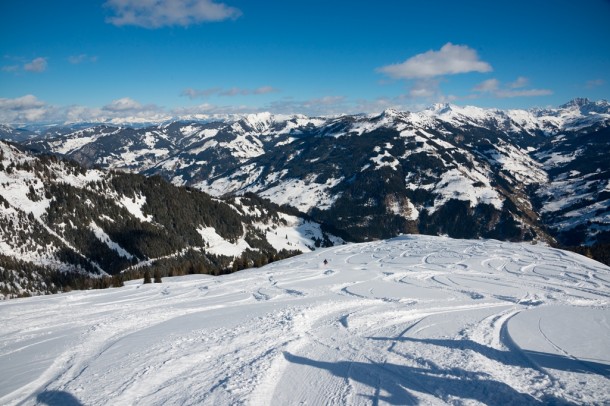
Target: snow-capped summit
[
  {"x": 585, "y": 106},
  {"x": 389, "y": 113},
  {"x": 439, "y": 108},
  {"x": 259, "y": 121},
  {"x": 577, "y": 102}
]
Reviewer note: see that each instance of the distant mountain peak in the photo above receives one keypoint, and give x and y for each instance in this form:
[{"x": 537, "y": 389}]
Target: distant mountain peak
[
  {"x": 576, "y": 102},
  {"x": 390, "y": 113}
]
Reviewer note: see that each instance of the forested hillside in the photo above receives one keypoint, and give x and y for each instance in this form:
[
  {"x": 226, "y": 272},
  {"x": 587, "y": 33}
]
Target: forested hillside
[{"x": 60, "y": 224}]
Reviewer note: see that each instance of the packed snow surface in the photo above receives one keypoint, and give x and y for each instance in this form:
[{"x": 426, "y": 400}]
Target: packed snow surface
[{"x": 413, "y": 320}]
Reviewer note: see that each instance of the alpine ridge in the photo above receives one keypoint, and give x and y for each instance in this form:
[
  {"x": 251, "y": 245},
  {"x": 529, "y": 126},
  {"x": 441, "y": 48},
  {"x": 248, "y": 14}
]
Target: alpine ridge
[{"x": 466, "y": 172}]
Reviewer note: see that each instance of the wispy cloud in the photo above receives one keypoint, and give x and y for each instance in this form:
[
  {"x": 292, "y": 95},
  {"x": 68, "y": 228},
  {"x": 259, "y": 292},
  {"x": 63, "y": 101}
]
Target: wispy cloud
[
  {"x": 234, "y": 91},
  {"x": 449, "y": 60},
  {"x": 164, "y": 13},
  {"x": 487, "y": 86},
  {"x": 82, "y": 58},
  {"x": 502, "y": 94},
  {"x": 425, "y": 88},
  {"x": 519, "y": 83},
  {"x": 36, "y": 65},
  {"x": 595, "y": 83},
  {"x": 206, "y": 109},
  {"x": 20, "y": 64},
  {"x": 314, "y": 107},
  {"x": 494, "y": 88},
  {"x": 11, "y": 68},
  {"x": 195, "y": 93}
]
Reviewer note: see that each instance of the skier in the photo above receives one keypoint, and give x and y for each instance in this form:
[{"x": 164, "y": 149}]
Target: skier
[{"x": 325, "y": 262}]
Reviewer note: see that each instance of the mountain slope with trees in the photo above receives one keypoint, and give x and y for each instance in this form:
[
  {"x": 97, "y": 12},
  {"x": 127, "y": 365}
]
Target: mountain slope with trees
[{"x": 60, "y": 224}]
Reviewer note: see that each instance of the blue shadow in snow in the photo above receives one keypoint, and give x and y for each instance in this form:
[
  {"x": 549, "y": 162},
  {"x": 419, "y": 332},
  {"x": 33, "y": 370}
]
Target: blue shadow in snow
[
  {"x": 516, "y": 357},
  {"x": 392, "y": 383},
  {"x": 57, "y": 398}
]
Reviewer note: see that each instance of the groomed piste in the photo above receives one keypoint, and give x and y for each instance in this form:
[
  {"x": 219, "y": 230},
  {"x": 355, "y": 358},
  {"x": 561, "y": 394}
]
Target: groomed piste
[{"x": 412, "y": 320}]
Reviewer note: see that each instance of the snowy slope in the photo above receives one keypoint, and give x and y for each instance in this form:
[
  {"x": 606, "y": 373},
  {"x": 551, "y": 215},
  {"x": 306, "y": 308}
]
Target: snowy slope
[{"x": 412, "y": 320}]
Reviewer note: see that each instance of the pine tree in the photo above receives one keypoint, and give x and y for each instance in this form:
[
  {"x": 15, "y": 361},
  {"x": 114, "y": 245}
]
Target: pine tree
[
  {"x": 158, "y": 276},
  {"x": 147, "y": 276},
  {"x": 117, "y": 281}
]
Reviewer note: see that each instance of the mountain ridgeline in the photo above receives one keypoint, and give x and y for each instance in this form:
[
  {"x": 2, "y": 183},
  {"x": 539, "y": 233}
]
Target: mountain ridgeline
[{"x": 465, "y": 172}]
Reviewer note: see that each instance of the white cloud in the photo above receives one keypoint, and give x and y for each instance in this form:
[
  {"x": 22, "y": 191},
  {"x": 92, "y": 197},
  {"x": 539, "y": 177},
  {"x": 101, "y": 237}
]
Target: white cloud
[
  {"x": 118, "y": 111},
  {"x": 36, "y": 65},
  {"x": 82, "y": 58},
  {"x": 23, "y": 109},
  {"x": 163, "y": 13},
  {"x": 449, "y": 60},
  {"x": 29, "y": 109},
  {"x": 21, "y": 103},
  {"x": 124, "y": 104},
  {"x": 513, "y": 89},
  {"x": 76, "y": 114},
  {"x": 234, "y": 91}
]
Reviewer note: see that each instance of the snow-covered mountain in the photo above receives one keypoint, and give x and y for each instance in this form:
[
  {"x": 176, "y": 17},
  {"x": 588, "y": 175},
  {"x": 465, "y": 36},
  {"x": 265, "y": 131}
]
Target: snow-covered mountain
[
  {"x": 460, "y": 171},
  {"x": 61, "y": 223},
  {"x": 415, "y": 320}
]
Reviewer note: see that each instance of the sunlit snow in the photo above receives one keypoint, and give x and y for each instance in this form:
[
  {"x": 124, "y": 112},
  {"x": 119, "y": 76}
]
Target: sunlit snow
[
  {"x": 219, "y": 246},
  {"x": 414, "y": 320},
  {"x": 134, "y": 206},
  {"x": 105, "y": 238}
]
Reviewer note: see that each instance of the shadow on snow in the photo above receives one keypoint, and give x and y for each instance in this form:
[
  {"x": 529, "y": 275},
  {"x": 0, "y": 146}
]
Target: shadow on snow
[
  {"x": 393, "y": 382},
  {"x": 516, "y": 356},
  {"x": 57, "y": 398}
]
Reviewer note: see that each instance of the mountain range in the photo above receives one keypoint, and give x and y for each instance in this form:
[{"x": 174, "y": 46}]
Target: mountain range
[{"x": 538, "y": 175}]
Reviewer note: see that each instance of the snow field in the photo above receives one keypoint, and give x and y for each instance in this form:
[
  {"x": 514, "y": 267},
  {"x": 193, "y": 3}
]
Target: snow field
[{"x": 411, "y": 320}]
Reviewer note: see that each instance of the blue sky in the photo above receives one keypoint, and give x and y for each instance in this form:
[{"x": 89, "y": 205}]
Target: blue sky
[{"x": 152, "y": 59}]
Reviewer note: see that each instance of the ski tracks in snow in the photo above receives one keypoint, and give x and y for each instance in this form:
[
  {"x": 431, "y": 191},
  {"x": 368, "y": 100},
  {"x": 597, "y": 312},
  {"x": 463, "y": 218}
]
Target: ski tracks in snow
[{"x": 412, "y": 320}]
